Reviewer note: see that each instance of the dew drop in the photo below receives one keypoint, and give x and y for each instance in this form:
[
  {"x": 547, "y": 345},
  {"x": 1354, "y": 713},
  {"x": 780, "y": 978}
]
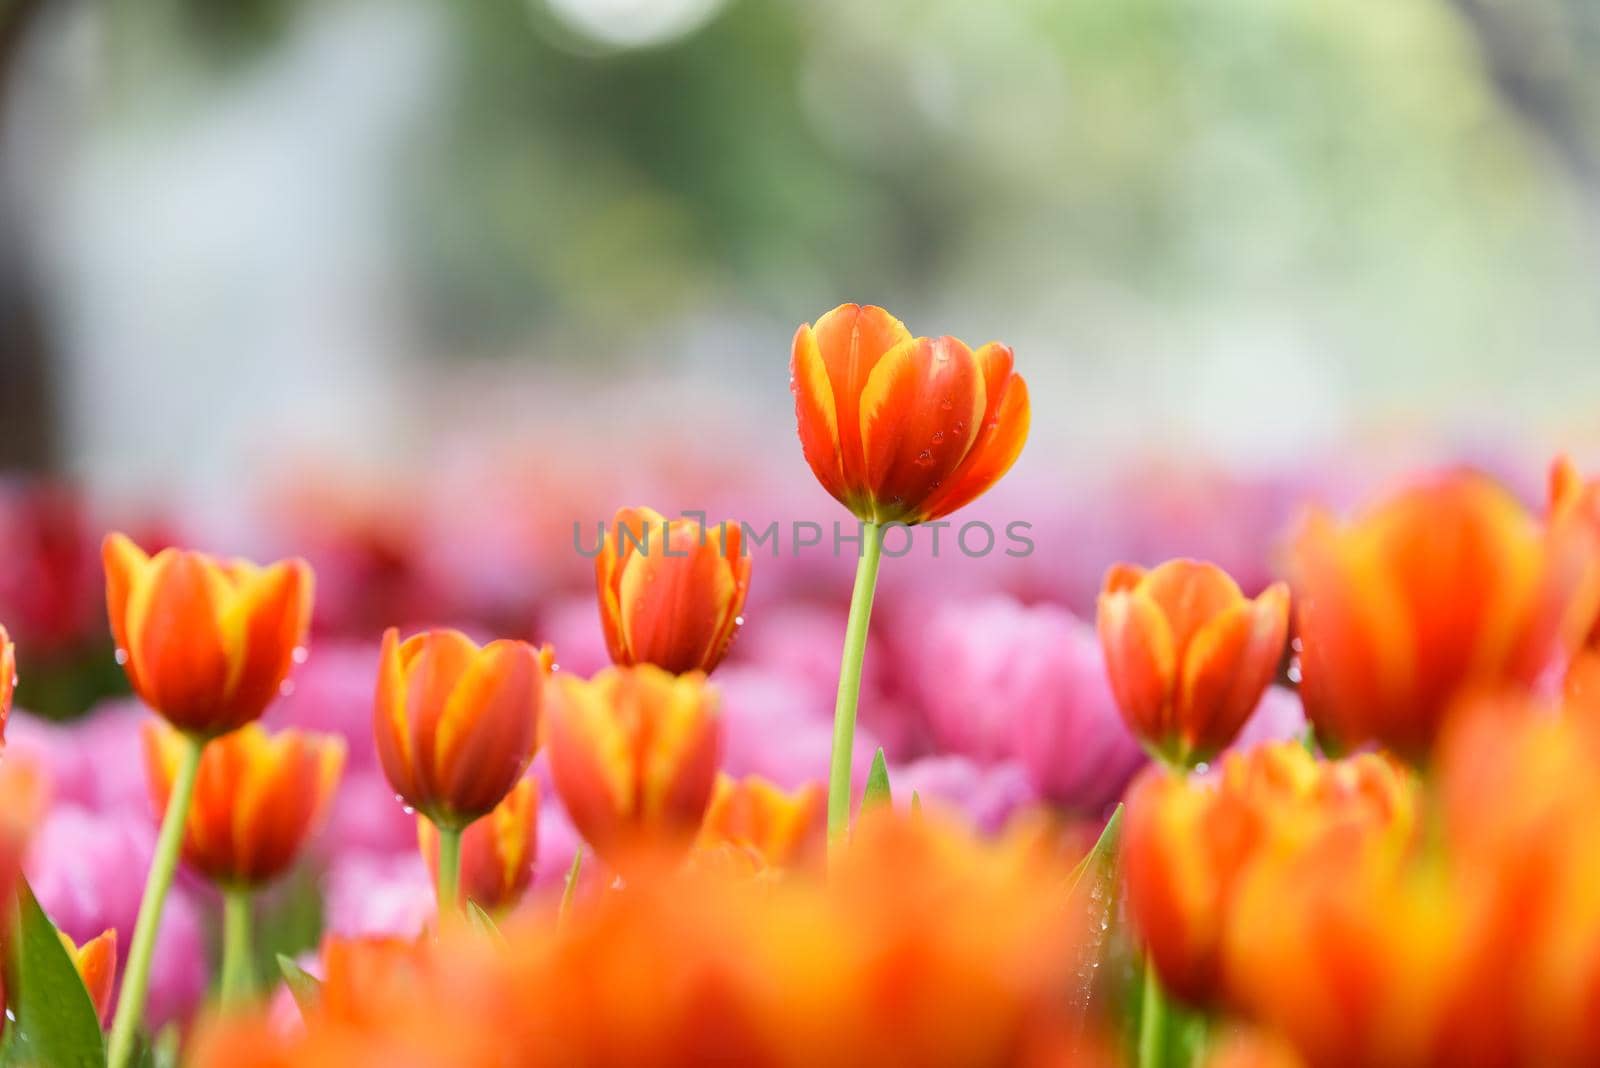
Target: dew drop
[
  {"x": 938, "y": 436},
  {"x": 286, "y": 688},
  {"x": 947, "y": 404},
  {"x": 738, "y": 621},
  {"x": 122, "y": 656},
  {"x": 924, "y": 458},
  {"x": 300, "y": 654}
]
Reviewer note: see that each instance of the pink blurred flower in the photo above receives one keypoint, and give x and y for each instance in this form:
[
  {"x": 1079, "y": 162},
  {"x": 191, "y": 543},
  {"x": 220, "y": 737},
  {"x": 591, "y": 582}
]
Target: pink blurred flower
[
  {"x": 779, "y": 729},
  {"x": 987, "y": 795},
  {"x": 93, "y": 761},
  {"x": 999, "y": 680},
  {"x": 1278, "y": 718},
  {"x": 378, "y": 893},
  {"x": 87, "y": 869},
  {"x": 572, "y": 625}
]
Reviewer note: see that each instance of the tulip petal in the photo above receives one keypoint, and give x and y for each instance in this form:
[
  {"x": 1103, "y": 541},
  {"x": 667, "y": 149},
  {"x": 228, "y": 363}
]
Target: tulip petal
[
  {"x": 851, "y": 340},
  {"x": 1141, "y": 661},
  {"x": 263, "y": 625},
  {"x": 486, "y": 735},
  {"x": 920, "y": 413},
  {"x": 816, "y": 414},
  {"x": 174, "y": 639},
  {"x": 125, "y": 562},
  {"x": 632, "y": 531},
  {"x": 1228, "y": 665},
  {"x": 1190, "y": 594},
  {"x": 678, "y": 604},
  {"x": 1001, "y": 435},
  {"x": 391, "y": 725}
]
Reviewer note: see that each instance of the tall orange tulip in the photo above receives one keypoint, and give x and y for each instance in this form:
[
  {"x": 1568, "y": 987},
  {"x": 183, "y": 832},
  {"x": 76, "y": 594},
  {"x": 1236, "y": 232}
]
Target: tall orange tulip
[
  {"x": 96, "y": 962},
  {"x": 1188, "y": 655},
  {"x": 456, "y": 725},
  {"x": 206, "y": 643},
  {"x": 671, "y": 592},
  {"x": 258, "y": 798},
  {"x": 497, "y": 851},
  {"x": 634, "y": 755},
  {"x": 900, "y": 428},
  {"x": 781, "y": 829},
  {"x": 1448, "y": 589}
]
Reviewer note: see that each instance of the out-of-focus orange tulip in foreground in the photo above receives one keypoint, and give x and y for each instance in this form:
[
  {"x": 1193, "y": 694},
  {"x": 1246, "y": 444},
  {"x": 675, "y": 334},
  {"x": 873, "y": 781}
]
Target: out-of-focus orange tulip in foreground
[
  {"x": 900, "y": 428},
  {"x": 671, "y": 592},
  {"x": 456, "y": 725},
  {"x": 258, "y": 797},
  {"x": 928, "y": 948},
  {"x": 207, "y": 643},
  {"x": 1189, "y": 842},
  {"x": 634, "y": 754},
  {"x": 497, "y": 850},
  {"x": 1446, "y": 590},
  {"x": 1188, "y": 655},
  {"x": 96, "y": 961}
]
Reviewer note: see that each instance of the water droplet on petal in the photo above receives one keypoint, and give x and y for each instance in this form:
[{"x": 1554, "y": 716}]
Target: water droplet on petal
[
  {"x": 300, "y": 654},
  {"x": 122, "y": 656},
  {"x": 286, "y": 687},
  {"x": 738, "y": 621},
  {"x": 938, "y": 436}
]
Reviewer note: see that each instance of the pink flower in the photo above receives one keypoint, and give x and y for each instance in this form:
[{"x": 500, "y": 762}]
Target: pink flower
[
  {"x": 986, "y": 795},
  {"x": 88, "y": 761},
  {"x": 1278, "y": 718},
  {"x": 778, "y": 729},
  {"x": 378, "y": 893}
]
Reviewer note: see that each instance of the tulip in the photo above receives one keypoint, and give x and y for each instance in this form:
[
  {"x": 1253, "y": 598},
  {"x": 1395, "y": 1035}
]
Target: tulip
[
  {"x": 1572, "y": 499},
  {"x": 96, "y": 962},
  {"x": 671, "y": 592},
  {"x": 204, "y": 642},
  {"x": 781, "y": 829},
  {"x": 899, "y": 429},
  {"x": 634, "y": 753},
  {"x": 497, "y": 851},
  {"x": 8, "y": 680},
  {"x": 1186, "y": 843},
  {"x": 1188, "y": 655},
  {"x": 257, "y": 798},
  {"x": 456, "y": 726},
  {"x": 207, "y": 644},
  {"x": 1446, "y": 590}
]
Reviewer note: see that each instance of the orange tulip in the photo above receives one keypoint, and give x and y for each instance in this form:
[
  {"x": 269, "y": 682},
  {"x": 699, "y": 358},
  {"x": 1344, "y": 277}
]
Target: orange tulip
[
  {"x": 634, "y": 755},
  {"x": 8, "y": 680},
  {"x": 1575, "y": 500},
  {"x": 206, "y": 643},
  {"x": 497, "y": 851},
  {"x": 1188, "y": 655},
  {"x": 670, "y": 593},
  {"x": 456, "y": 725},
  {"x": 900, "y": 428},
  {"x": 257, "y": 799},
  {"x": 782, "y": 829},
  {"x": 1450, "y": 588},
  {"x": 1188, "y": 842},
  {"x": 96, "y": 961}
]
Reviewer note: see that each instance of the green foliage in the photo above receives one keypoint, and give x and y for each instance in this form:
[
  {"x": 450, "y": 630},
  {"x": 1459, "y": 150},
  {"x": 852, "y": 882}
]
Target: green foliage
[{"x": 55, "y": 1022}]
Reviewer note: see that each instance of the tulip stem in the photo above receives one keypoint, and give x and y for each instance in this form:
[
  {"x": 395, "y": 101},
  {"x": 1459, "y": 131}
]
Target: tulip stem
[
  {"x": 136, "y": 979},
  {"x": 449, "y": 871},
  {"x": 1152, "y": 1019},
  {"x": 844, "y": 709},
  {"x": 238, "y": 980}
]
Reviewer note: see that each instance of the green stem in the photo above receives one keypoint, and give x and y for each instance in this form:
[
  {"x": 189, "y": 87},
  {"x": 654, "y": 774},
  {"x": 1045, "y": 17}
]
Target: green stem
[
  {"x": 449, "y": 879},
  {"x": 136, "y": 978},
  {"x": 1152, "y": 1019},
  {"x": 844, "y": 709},
  {"x": 238, "y": 980}
]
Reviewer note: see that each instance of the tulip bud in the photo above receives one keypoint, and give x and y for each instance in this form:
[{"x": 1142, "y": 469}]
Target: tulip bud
[
  {"x": 671, "y": 592},
  {"x": 257, "y": 799},
  {"x": 96, "y": 961},
  {"x": 456, "y": 725},
  {"x": 900, "y": 428},
  {"x": 1447, "y": 590},
  {"x": 782, "y": 829},
  {"x": 1188, "y": 655},
  {"x": 206, "y": 643},
  {"x": 497, "y": 850},
  {"x": 634, "y": 755}
]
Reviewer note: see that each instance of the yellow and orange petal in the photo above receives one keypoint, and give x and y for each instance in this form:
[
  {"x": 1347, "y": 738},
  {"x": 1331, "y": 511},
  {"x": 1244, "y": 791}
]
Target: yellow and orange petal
[
  {"x": 1446, "y": 590},
  {"x": 900, "y": 428},
  {"x": 456, "y": 725},
  {"x": 671, "y": 593},
  {"x": 258, "y": 797},
  {"x": 497, "y": 851},
  {"x": 96, "y": 961},
  {"x": 781, "y": 829},
  {"x": 1188, "y": 656},
  {"x": 634, "y": 754},
  {"x": 8, "y": 680},
  {"x": 207, "y": 643}
]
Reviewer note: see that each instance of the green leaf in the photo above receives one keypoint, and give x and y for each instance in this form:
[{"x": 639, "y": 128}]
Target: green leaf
[
  {"x": 305, "y": 988},
  {"x": 876, "y": 794},
  {"x": 482, "y": 922},
  {"x": 55, "y": 1022},
  {"x": 571, "y": 889},
  {"x": 916, "y": 803},
  {"x": 1092, "y": 887}
]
